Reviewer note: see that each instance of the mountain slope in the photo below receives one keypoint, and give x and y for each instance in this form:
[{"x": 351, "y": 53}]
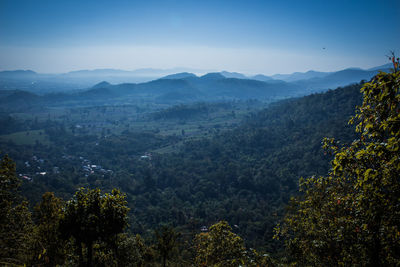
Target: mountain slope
[
  {"x": 336, "y": 79},
  {"x": 261, "y": 77},
  {"x": 300, "y": 76},
  {"x": 18, "y": 74},
  {"x": 236, "y": 75},
  {"x": 103, "y": 84},
  {"x": 247, "y": 175},
  {"x": 181, "y": 75}
]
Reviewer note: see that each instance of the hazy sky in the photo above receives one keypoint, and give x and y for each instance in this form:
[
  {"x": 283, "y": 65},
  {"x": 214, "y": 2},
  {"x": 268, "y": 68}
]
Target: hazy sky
[{"x": 247, "y": 36}]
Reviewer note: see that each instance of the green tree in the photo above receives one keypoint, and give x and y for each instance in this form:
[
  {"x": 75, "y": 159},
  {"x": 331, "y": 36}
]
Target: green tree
[
  {"x": 49, "y": 244},
  {"x": 91, "y": 216},
  {"x": 167, "y": 242},
  {"x": 132, "y": 251},
  {"x": 219, "y": 247},
  {"x": 352, "y": 215},
  {"x": 15, "y": 219}
]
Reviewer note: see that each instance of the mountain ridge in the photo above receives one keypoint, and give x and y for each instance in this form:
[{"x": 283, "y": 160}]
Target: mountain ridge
[{"x": 188, "y": 87}]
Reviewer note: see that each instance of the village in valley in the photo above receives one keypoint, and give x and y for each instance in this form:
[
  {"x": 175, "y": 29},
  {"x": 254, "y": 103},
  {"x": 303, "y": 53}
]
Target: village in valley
[{"x": 40, "y": 167}]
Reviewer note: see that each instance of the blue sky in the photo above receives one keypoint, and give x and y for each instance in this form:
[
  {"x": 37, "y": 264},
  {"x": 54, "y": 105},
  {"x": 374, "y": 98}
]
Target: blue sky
[{"x": 247, "y": 36}]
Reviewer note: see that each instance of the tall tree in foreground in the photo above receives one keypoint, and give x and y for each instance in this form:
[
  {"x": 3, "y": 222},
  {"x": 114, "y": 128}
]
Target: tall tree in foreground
[
  {"x": 132, "y": 251},
  {"x": 15, "y": 219},
  {"x": 94, "y": 217},
  {"x": 49, "y": 244},
  {"x": 352, "y": 215},
  {"x": 166, "y": 242},
  {"x": 219, "y": 247}
]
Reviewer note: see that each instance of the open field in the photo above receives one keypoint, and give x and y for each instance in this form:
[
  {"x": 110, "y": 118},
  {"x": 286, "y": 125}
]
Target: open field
[{"x": 27, "y": 137}]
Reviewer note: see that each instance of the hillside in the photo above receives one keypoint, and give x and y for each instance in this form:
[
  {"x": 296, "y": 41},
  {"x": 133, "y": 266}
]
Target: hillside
[{"x": 246, "y": 176}]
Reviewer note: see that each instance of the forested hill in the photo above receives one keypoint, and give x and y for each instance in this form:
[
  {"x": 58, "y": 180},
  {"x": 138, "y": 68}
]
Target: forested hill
[{"x": 246, "y": 176}]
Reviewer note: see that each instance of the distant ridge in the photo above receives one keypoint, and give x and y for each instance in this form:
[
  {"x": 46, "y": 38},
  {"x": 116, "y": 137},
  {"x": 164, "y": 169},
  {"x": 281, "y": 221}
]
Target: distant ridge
[
  {"x": 212, "y": 76},
  {"x": 351, "y": 75},
  {"x": 181, "y": 75},
  {"x": 303, "y": 82},
  {"x": 236, "y": 75},
  {"x": 384, "y": 67},
  {"x": 17, "y": 73},
  {"x": 261, "y": 77},
  {"x": 103, "y": 84},
  {"x": 296, "y": 76}
]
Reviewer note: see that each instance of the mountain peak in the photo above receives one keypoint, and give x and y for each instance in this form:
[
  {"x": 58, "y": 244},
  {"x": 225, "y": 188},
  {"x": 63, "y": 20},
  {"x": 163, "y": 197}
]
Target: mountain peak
[
  {"x": 236, "y": 75},
  {"x": 181, "y": 75},
  {"x": 17, "y": 73},
  {"x": 102, "y": 84},
  {"x": 213, "y": 76}
]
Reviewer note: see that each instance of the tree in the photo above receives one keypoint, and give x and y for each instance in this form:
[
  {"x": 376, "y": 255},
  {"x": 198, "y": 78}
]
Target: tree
[
  {"x": 167, "y": 241},
  {"x": 219, "y": 247},
  {"x": 15, "y": 218},
  {"x": 91, "y": 216},
  {"x": 352, "y": 215},
  {"x": 132, "y": 251},
  {"x": 49, "y": 243}
]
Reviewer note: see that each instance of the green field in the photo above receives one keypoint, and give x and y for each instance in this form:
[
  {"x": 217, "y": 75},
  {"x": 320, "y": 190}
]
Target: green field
[{"x": 27, "y": 137}]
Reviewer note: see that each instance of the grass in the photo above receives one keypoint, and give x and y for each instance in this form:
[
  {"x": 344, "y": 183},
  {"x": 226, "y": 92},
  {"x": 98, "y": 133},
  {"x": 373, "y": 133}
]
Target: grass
[{"x": 27, "y": 137}]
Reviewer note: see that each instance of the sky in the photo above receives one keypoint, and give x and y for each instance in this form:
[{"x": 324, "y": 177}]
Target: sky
[{"x": 247, "y": 36}]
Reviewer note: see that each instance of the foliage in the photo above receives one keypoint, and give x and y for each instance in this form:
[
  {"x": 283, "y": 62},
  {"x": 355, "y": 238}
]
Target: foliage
[
  {"x": 49, "y": 245},
  {"x": 9, "y": 182},
  {"x": 352, "y": 215},
  {"x": 15, "y": 220},
  {"x": 219, "y": 247},
  {"x": 166, "y": 242},
  {"x": 132, "y": 251},
  {"x": 92, "y": 216}
]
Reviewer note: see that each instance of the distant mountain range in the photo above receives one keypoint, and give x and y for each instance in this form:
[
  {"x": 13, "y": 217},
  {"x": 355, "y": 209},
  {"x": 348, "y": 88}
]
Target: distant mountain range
[
  {"x": 181, "y": 75},
  {"x": 187, "y": 87},
  {"x": 296, "y": 76},
  {"x": 300, "y": 83},
  {"x": 46, "y": 83},
  {"x": 182, "y": 87}
]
